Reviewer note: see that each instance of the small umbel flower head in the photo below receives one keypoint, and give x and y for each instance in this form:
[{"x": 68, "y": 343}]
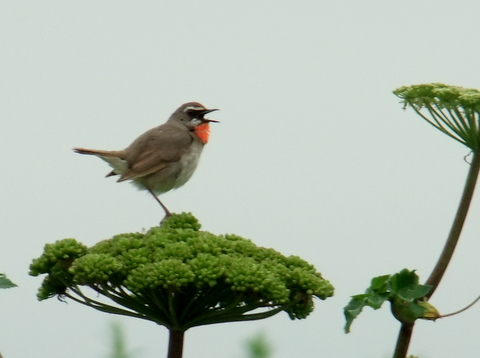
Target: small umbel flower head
[{"x": 453, "y": 110}]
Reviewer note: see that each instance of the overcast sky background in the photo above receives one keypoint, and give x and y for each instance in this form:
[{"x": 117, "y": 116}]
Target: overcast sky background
[{"x": 314, "y": 157}]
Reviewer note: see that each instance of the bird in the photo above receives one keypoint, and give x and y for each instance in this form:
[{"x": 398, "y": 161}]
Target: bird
[{"x": 165, "y": 157}]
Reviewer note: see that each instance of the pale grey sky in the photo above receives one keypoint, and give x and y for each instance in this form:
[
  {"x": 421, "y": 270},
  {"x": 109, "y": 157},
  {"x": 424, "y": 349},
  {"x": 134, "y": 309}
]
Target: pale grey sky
[{"x": 313, "y": 156}]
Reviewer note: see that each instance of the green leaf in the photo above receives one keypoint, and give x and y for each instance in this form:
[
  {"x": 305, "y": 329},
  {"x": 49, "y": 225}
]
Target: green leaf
[
  {"x": 376, "y": 301},
  {"x": 401, "y": 289},
  {"x": 379, "y": 283},
  {"x": 5, "y": 282},
  {"x": 403, "y": 279},
  {"x": 374, "y": 297},
  {"x": 352, "y": 310},
  {"x": 415, "y": 292},
  {"x": 404, "y": 285}
]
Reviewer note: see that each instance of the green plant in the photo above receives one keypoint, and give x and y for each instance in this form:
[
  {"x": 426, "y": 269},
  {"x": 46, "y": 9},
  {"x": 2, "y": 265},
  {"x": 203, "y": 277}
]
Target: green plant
[
  {"x": 180, "y": 277},
  {"x": 119, "y": 347},
  {"x": 258, "y": 347},
  {"x": 404, "y": 293},
  {"x": 455, "y": 111},
  {"x": 5, "y": 282}
]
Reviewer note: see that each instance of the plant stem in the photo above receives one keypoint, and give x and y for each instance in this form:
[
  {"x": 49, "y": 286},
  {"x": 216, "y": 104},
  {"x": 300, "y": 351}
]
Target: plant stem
[
  {"x": 449, "y": 248},
  {"x": 406, "y": 329},
  {"x": 175, "y": 343},
  {"x": 403, "y": 340},
  {"x": 459, "y": 311}
]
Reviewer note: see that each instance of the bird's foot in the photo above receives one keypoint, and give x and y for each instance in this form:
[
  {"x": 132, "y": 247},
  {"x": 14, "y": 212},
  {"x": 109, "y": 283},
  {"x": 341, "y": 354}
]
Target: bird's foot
[{"x": 167, "y": 215}]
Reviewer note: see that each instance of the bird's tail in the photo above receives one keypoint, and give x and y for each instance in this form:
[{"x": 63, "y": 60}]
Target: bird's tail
[
  {"x": 97, "y": 152},
  {"x": 113, "y": 157}
]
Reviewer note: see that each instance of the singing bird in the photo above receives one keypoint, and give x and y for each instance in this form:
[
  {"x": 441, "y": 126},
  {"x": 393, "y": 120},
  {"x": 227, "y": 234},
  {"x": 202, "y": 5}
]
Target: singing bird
[{"x": 165, "y": 157}]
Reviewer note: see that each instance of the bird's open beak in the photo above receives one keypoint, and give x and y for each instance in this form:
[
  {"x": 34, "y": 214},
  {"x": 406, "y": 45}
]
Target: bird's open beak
[{"x": 208, "y": 111}]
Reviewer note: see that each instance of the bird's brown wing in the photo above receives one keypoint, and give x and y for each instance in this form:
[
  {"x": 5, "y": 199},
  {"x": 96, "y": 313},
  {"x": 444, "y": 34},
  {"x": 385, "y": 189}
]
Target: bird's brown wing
[{"x": 155, "y": 150}]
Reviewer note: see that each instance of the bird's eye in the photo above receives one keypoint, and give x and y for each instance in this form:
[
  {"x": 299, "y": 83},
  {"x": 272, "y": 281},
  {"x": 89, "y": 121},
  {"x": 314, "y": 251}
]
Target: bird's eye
[{"x": 195, "y": 116}]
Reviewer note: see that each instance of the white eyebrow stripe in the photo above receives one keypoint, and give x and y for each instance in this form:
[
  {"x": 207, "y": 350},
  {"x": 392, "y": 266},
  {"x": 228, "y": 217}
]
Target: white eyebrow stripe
[{"x": 193, "y": 108}]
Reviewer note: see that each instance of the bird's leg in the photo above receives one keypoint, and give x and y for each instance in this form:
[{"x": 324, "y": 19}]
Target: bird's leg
[{"x": 167, "y": 212}]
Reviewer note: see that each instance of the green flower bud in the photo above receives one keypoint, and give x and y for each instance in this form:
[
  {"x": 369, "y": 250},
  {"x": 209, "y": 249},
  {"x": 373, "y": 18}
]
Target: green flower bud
[{"x": 176, "y": 274}]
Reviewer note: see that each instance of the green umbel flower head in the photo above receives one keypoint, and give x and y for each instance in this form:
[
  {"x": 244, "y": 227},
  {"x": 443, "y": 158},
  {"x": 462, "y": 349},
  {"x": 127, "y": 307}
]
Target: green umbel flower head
[
  {"x": 181, "y": 277},
  {"x": 453, "y": 110}
]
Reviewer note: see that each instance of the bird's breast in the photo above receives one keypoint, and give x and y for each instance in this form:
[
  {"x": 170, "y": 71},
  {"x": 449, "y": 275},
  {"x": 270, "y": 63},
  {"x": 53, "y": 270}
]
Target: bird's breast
[{"x": 188, "y": 163}]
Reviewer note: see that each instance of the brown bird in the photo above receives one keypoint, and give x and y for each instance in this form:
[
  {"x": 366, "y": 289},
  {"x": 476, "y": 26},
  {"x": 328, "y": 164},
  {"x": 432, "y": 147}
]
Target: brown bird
[{"x": 165, "y": 157}]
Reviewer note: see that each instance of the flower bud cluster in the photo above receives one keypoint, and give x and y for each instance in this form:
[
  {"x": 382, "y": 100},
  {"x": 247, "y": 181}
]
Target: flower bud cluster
[{"x": 177, "y": 260}]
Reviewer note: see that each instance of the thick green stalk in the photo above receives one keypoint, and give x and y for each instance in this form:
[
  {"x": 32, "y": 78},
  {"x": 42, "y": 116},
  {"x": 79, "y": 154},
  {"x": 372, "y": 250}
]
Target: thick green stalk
[
  {"x": 403, "y": 340},
  {"x": 175, "y": 343},
  {"x": 406, "y": 330},
  {"x": 455, "y": 231}
]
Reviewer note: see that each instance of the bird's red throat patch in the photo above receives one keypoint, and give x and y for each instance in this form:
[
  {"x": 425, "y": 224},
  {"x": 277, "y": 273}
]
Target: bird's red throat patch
[{"x": 203, "y": 132}]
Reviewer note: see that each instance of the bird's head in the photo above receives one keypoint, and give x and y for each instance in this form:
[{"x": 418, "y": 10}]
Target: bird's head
[{"x": 192, "y": 114}]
